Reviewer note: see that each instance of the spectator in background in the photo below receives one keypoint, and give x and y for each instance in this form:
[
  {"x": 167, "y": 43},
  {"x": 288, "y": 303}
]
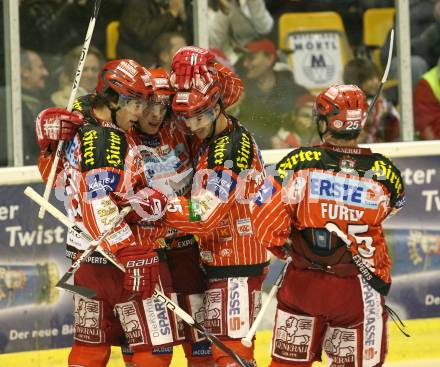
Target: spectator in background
[
  {"x": 33, "y": 83},
  {"x": 234, "y": 23},
  {"x": 426, "y": 43},
  {"x": 300, "y": 128},
  {"x": 425, "y": 40},
  {"x": 143, "y": 21},
  {"x": 383, "y": 123},
  {"x": 269, "y": 94},
  {"x": 166, "y": 46},
  {"x": 427, "y": 104},
  {"x": 89, "y": 76},
  {"x": 56, "y": 26}
]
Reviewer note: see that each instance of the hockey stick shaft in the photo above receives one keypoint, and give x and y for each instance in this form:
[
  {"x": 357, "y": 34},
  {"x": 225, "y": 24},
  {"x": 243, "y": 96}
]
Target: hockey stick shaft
[
  {"x": 385, "y": 74},
  {"x": 32, "y": 194},
  {"x": 75, "y": 87},
  {"x": 190, "y": 321},
  {"x": 247, "y": 340}
]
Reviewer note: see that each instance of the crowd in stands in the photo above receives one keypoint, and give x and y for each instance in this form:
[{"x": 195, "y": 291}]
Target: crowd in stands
[{"x": 243, "y": 34}]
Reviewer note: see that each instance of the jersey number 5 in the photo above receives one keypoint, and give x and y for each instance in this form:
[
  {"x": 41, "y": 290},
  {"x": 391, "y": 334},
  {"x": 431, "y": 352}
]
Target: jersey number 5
[{"x": 364, "y": 243}]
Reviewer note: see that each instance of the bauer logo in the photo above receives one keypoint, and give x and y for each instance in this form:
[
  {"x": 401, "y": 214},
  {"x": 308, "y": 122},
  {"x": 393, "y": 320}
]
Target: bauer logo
[{"x": 352, "y": 191}]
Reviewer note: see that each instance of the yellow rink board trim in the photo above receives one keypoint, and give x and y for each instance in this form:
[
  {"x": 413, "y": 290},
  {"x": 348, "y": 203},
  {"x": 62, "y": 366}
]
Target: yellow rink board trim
[{"x": 422, "y": 345}]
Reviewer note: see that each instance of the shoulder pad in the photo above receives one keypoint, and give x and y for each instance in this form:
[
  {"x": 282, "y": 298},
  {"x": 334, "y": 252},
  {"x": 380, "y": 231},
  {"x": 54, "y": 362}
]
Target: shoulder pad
[
  {"x": 236, "y": 146},
  {"x": 102, "y": 147},
  {"x": 303, "y": 157}
]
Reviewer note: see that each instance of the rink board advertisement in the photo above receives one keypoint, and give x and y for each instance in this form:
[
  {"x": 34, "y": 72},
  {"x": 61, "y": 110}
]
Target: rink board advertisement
[{"x": 35, "y": 315}]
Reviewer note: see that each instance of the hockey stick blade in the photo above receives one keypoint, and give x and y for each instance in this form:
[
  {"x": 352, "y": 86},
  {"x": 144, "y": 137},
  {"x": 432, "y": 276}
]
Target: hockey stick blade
[{"x": 191, "y": 322}]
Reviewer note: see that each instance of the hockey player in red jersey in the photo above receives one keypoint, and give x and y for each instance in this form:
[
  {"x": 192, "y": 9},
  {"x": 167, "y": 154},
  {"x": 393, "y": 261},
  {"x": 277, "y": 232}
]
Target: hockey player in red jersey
[
  {"x": 99, "y": 174},
  {"x": 228, "y": 170},
  {"x": 167, "y": 164},
  {"x": 331, "y": 201}
]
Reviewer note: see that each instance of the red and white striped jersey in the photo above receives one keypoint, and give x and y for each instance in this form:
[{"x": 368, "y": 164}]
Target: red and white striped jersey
[
  {"x": 329, "y": 189},
  {"x": 100, "y": 165},
  {"x": 167, "y": 165},
  {"x": 228, "y": 173}
]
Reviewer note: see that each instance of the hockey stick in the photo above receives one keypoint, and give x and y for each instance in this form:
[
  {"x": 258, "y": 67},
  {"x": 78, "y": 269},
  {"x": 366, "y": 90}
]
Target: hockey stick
[
  {"x": 372, "y": 279},
  {"x": 247, "y": 340},
  {"x": 75, "y": 86},
  {"x": 190, "y": 321},
  {"x": 385, "y": 74},
  {"x": 95, "y": 245}
]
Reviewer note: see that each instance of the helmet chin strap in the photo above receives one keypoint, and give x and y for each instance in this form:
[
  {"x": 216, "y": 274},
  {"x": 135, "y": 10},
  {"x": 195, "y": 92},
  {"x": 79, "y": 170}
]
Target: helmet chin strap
[
  {"x": 113, "y": 111},
  {"x": 214, "y": 122},
  {"x": 318, "y": 125}
]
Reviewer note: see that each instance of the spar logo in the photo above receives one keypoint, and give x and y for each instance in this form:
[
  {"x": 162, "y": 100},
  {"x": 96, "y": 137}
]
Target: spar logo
[{"x": 162, "y": 318}]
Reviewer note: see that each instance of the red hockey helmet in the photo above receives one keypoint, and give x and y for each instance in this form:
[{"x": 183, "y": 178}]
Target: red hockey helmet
[
  {"x": 187, "y": 104},
  {"x": 125, "y": 77},
  {"x": 344, "y": 107}
]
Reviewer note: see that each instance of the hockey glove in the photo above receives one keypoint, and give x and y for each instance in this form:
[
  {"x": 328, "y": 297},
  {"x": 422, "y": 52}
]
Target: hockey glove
[
  {"x": 55, "y": 124},
  {"x": 148, "y": 205},
  {"x": 189, "y": 64},
  {"x": 141, "y": 269}
]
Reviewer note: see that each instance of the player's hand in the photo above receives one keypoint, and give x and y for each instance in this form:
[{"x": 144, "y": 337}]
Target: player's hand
[
  {"x": 189, "y": 64},
  {"x": 141, "y": 269},
  {"x": 148, "y": 205},
  {"x": 55, "y": 124}
]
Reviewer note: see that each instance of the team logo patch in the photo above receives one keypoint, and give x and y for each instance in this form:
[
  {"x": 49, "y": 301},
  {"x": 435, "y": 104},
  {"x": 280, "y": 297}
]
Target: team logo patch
[
  {"x": 244, "y": 227},
  {"x": 213, "y": 311},
  {"x": 130, "y": 322},
  {"x": 346, "y": 164},
  {"x": 206, "y": 256},
  {"x": 292, "y": 339},
  {"x": 120, "y": 235},
  {"x": 196, "y": 303},
  {"x": 224, "y": 233},
  {"x": 88, "y": 317},
  {"x": 105, "y": 211},
  {"x": 340, "y": 346},
  {"x": 100, "y": 184}
]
